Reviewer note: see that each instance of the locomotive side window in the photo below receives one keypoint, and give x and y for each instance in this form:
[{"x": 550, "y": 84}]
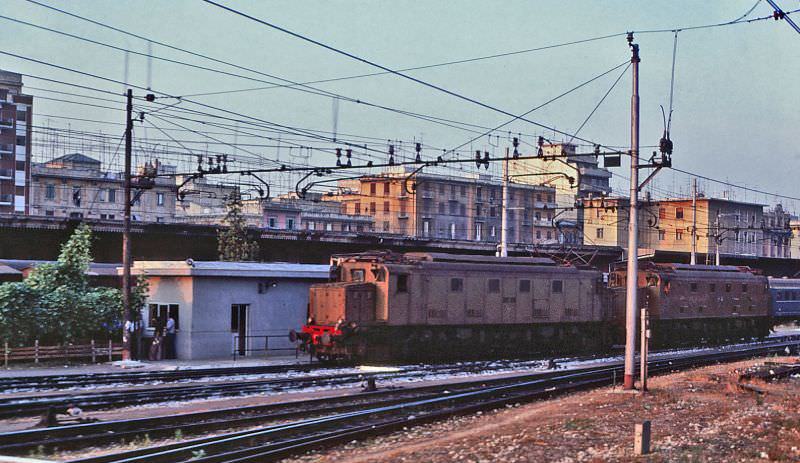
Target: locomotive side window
[
  {"x": 557, "y": 286},
  {"x": 694, "y": 287},
  {"x": 402, "y": 283},
  {"x": 524, "y": 286},
  {"x": 494, "y": 285},
  {"x": 456, "y": 285},
  {"x": 357, "y": 274}
]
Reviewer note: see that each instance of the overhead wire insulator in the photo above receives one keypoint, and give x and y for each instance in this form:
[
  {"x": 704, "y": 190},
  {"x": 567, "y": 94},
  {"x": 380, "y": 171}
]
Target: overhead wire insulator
[
  {"x": 540, "y": 144},
  {"x": 515, "y": 142},
  {"x": 478, "y": 161},
  {"x": 418, "y": 148},
  {"x": 349, "y": 156},
  {"x": 391, "y": 155},
  {"x": 486, "y": 160},
  {"x": 338, "y": 157}
]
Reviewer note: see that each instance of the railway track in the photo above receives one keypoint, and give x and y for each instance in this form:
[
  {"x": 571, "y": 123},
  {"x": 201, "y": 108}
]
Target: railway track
[
  {"x": 141, "y": 377},
  {"x": 29, "y": 405},
  {"x": 299, "y": 426}
]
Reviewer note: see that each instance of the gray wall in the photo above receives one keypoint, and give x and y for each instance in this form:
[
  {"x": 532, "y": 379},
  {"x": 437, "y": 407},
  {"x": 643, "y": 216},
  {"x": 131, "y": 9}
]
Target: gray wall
[{"x": 205, "y": 312}]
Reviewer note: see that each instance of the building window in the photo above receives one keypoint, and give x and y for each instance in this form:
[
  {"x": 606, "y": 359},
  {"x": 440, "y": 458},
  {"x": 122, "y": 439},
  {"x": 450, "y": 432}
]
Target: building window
[
  {"x": 452, "y": 231},
  {"x": 524, "y": 286},
  {"x": 160, "y": 313},
  {"x": 441, "y": 188},
  {"x": 493, "y": 231},
  {"x": 463, "y": 209},
  {"x": 538, "y": 234},
  {"x": 479, "y": 192},
  {"x": 50, "y": 191},
  {"x": 662, "y": 212},
  {"x": 290, "y": 224},
  {"x": 494, "y": 285},
  {"x": 386, "y": 226},
  {"x": 599, "y": 233},
  {"x": 49, "y": 213},
  {"x": 272, "y": 222},
  {"x": 357, "y": 208},
  {"x": 386, "y": 206},
  {"x": 678, "y": 235},
  {"x": 372, "y": 189},
  {"x": 372, "y": 208},
  {"x": 112, "y": 195},
  {"x": 76, "y": 196},
  {"x": 463, "y": 190},
  {"x": 456, "y": 285},
  {"x": 159, "y": 199},
  {"x": 159, "y": 219},
  {"x": 662, "y": 235},
  {"x": 20, "y": 140},
  {"x": 76, "y": 215},
  {"x": 328, "y": 227},
  {"x": 386, "y": 188},
  {"x": 678, "y": 212},
  {"x": 549, "y": 235},
  {"x": 441, "y": 208},
  {"x": 402, "y": 283},
  {"x": 426, "y": 227},
  {"x": 557, "y": 286},
  {"x": 493, "y": 211},
  {"x": 478, "y": 210}
]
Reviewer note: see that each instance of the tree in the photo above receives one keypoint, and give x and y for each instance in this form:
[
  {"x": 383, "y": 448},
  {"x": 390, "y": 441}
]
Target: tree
[
  {"x": 57, "y": 303},
  {"x": 233, "y": 244}
]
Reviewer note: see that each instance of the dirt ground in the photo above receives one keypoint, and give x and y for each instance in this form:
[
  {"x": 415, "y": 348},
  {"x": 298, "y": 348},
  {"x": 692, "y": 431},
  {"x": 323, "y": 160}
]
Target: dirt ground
[{"x": 697, "y": 416}]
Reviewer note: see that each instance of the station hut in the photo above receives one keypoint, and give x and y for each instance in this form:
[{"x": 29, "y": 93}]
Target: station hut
[{"x": 227, "y": 309}]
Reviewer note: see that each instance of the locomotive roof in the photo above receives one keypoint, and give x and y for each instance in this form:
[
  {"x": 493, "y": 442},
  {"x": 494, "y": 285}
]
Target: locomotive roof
[
  {"x": 687, "y": 267},
  {"x": 389, "y": 257},
  {"x": 462, "y": 258}
]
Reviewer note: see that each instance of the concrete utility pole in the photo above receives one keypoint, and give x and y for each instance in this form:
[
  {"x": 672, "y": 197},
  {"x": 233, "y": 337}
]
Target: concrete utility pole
[
  {"x": 631, "y": 302},
  {"x": 716, "y": 240},
  {"x": 694, "y": 222},
  {"x": 645, "y": 339},
  {"x": 127, "y": 344},
  {"x": 504, "y": 211}
]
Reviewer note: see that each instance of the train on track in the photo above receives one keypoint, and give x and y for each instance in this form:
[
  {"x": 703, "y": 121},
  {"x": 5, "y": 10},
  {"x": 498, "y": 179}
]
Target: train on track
[{"x": 385, "y": 306}]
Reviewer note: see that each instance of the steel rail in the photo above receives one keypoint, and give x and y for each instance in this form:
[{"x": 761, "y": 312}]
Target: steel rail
[{"x": 271, "y": 442}]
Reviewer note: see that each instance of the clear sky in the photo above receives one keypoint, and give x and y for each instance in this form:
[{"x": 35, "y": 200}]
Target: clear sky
[{"x": 736, "y": 93}]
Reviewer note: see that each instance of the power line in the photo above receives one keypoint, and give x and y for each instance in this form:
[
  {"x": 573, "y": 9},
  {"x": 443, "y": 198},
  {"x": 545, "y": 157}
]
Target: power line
[{"x": 386, "y": 69}]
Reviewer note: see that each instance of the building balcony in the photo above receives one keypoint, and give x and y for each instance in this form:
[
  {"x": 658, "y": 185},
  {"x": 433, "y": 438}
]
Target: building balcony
[
  {"x": 6, "y": 200},
  {"x": 402, "y": 215}
]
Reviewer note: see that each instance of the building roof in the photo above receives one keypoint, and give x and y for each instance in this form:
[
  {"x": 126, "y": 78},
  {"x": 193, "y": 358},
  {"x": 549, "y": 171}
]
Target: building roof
[
  {"x": 230, "y": 269},
  {"x": 7, "y": 270},
  {"x": 76, "y": 158}
]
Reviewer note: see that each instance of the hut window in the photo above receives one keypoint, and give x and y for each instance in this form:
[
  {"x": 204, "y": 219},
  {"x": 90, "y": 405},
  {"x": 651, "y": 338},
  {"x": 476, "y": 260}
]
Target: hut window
[
  {"x": 456, "y": 285},
  {"x": 694, "y": 287},
  {"x": 524, "y": 286},
  {"x": 494, "y": 285}
]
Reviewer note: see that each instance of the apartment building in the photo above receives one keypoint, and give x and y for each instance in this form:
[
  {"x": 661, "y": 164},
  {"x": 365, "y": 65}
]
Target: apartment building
[
  {"x": 449, "y": 207},
  {"x": 16, "y": 110},
  {"x": 573, "y": 176},
  {"x": 777, "y": 232},
  {"x": 667, "y": 225},
  {"x": 75, "y": 186}
]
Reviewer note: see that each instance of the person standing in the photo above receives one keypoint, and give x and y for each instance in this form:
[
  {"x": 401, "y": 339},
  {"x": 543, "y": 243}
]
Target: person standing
[{"x": 170, "y": 338}]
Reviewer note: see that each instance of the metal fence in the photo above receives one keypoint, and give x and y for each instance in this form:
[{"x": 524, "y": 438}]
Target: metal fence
[{"x": 254, "y": 345}]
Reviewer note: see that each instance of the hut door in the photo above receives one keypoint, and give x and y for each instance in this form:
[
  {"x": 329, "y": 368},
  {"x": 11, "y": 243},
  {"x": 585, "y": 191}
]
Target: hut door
[{"x": 239, "y": 327}]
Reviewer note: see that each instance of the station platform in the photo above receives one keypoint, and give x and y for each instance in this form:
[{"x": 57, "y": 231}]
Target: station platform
[{"x": 119, "y": 366}]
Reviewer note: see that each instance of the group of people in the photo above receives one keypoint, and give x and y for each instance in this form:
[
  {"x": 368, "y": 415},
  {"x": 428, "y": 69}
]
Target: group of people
[{"x": 163, "y": 345}]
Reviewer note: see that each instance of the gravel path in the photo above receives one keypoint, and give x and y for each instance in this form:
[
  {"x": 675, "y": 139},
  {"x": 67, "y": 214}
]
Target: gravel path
[{"x": 699, "y": 415}]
